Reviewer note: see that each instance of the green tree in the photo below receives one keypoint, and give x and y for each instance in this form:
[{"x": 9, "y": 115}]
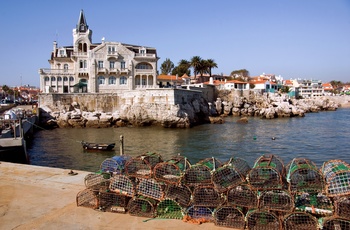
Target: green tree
[
  {"x": 167, "y": 66},
  {"x": 182, "y": 68},
  {"x": 211, "y": 64},
  {"x": 196, "y": 65},
  {"x": 243, "y": 73}
]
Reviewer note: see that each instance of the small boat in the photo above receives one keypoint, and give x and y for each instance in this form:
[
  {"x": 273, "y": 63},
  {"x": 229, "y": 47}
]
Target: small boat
[{"x": 97, "y": 146}]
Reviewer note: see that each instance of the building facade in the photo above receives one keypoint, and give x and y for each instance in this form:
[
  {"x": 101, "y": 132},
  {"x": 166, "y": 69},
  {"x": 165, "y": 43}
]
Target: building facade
[{"x": 106, "y": 67}]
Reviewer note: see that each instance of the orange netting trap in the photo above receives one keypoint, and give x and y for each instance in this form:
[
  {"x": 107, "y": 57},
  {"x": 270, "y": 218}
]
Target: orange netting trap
[
  {"x": 142, "y": 166},
  {"x": 299, "y": 220},
  {"x": 228, "y": 216}
]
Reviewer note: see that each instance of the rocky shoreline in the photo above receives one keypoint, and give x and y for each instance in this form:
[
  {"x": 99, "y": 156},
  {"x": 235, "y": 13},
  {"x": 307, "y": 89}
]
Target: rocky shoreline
[{"x": 198, "y": 111}]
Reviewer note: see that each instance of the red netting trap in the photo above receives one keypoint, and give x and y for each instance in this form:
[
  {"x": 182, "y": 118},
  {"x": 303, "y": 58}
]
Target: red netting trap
[
  {"x": 335, "y": 223},
  {"x": 342, "y": 207},
  {"x": 230, "y": 175},
  {"x": 97, "y": 181},
  {"x": 171, "y": 171},
  {"x": 151, "y": 188},
  {"x": 142, "y": 206},
  {"x": 115, "y": 165},
  {"x": 231, "y": 217},
  {"x": 179, "y": 193},
  {"x": 169, "y": 209},
  {"x": 122, "y": 185},
  {"x": 313, "y": 203},
  {"x": 337, "y": 176},
  {"x": 304, "y": 176},
  {"x": 112, "y": 202},
  {"x": 299, "y": 221},
  {"x": 207, "y": 196},
  {"x": 87, "y": 198},
  {"x": 242, "y": 196},
  {"x": 142, "y": 166},
  {"x": 264, "y": 220},
  {"x": 277, "y": 200},
  {"x": 267, "y": 173}
]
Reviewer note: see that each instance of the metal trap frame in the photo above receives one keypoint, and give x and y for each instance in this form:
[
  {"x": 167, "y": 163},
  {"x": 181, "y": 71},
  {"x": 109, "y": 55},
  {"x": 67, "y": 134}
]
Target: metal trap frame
[
  {"x": 142, "y": 206},
  {"x": 335, "y": 223},
  {"x": 262, "y": 220},
  {"x": 212, "y": 163},
  {"x": 304, "y": 176},
  {"x": 112, "y": 202},
  {"x": 337, "y": 176},
  {"x": 87, "y": 198},
  {"x": 299, "y": 221},
  {"x": 207, "y": 196},
  {"x": 123, "y": 185},
  {"x": 231, "y": 174},
  {"x": 314, "y": 203},
  {"x": 97, "y": 181},
  {"x": 115, "y": 165},
  {"x": 171, "y": 171},
  {"x": 242, "y": 196},
  {"x": 142, "y": 166},
  {"x": 151, "y": 188},
  {"x": 342, "y": 207},
  {"x": 228, "y": 216},
  {"x": 267, "y": 173},
  {"x": 276, "y": 200},
  {"x": 179, "y": 193},
  {"x": 169, "y": 209}
]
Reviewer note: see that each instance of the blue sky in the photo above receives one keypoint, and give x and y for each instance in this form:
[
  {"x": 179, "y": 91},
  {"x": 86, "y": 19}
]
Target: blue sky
[{"x": 292, "y": 38}]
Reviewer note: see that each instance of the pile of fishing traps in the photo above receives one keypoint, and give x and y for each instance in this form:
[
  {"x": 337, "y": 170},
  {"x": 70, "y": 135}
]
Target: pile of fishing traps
[{"x": 229, "y": 194}]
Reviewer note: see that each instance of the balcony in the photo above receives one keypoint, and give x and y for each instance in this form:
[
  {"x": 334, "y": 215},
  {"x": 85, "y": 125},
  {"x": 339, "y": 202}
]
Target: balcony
[
  {"x": 80, "y": 54},
  {"x": 124, "y": 71},
  {"x": 144, "y": 71},
  {"x": 102, "y": 70},
  {"x": 113, "y": 70},
  {"x": 112, "y": 53},
  {"x": 143, "y": 55},
  {"x": 56, "y": 71}
]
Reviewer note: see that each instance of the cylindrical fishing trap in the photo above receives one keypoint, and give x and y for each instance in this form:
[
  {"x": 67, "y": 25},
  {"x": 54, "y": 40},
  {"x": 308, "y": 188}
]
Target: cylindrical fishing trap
[
  {"x": 171, "y": 171},
  {"x": 299, "y": 221},
  {"x": 204, "y": 214},
  {"x": 227, "y": 216},
  {"x": 142, "y": 166},
  {"x": 342, "y": 207},
  {"x": 304, "y": 176},
  {"x": 211, "y": 163},
  {"x": 123, "y": 185},
  {"x": 151, "y": 188},
  {"x": 261, "y": 219},
  {"x": 267, "y": 173},
  {"x": 242, "y": 196},
  {"x": 142, "y": 206},
  {"x": 115, "y": 165},
  {"x": 313, "y": 203},
  {"x": 112, "y": 202},
  {"x": 97, "y": 181},
  {"x": 276, "y": 200},
  {"x": 179, "y": 193},
  {"x": 169, "y": 209},
  {"x": 337, "y": 176},
  {"x": 197, "y": 175},
  {"x": 335, "y": 223},
  {"x": 231, "y": 174},
  {"x": 207, "y": 196},
  {"x": 87, "y": 198}
]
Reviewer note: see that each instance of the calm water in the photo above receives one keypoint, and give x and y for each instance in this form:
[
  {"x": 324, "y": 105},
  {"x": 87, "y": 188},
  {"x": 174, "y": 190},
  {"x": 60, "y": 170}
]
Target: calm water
[{"x": 317, "y": 136}]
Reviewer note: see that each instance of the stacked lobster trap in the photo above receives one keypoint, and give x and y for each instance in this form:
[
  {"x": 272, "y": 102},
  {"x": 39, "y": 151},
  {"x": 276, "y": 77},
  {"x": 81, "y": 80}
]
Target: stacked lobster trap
[{"x": 267, "y": 196}]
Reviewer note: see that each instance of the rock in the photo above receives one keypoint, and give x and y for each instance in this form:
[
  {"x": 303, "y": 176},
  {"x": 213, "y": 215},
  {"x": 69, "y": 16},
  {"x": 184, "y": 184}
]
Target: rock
[
  {"x": 242, "y": 120},
  {"x": 217, "y": 120}
]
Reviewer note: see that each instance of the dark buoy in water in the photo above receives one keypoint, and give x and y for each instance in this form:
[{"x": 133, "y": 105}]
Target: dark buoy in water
[{"x": 273, "y": 138}]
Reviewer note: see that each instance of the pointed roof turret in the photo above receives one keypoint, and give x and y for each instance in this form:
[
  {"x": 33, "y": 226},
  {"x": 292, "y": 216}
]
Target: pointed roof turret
[{"x": 82, "y": 26}]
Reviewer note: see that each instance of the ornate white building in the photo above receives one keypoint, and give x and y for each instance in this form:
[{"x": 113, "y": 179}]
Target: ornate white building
[{"x": 106, "y": 67}]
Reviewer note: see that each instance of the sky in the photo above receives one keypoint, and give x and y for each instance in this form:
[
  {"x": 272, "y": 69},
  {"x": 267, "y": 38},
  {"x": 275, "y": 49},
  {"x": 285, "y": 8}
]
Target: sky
[{"x": 292, "y": 38}]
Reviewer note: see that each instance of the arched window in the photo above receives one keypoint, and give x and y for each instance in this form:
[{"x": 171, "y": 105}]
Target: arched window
[
  {"x": 143, "y": 66},
  {"x": 46, "y": 79},
  {"x": 65, "y": 67},
  {"x": 101, "y": 80},
  {"x": 53, "y": 79},
  {"x": 65, "y": 78},
  {"x": 71, "y": 78},
  {"x": 111, "y": 80},
  {"x": 59, "y": 78},
  {"x": 122, "y": 80}
]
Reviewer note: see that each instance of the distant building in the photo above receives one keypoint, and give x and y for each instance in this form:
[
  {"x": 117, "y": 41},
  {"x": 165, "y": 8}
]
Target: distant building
[
  {"x": 310, "y": 88},
  {"x": 105, "y": 67},
  {"x": 328, "y": 88}
]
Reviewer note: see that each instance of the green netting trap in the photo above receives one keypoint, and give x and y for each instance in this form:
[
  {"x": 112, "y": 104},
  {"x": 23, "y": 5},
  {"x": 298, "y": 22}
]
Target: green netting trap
[
  {"x": 335, "y": 223},
  {"x": 142, "y": 206},
  {"x": 211, "y": 163},
  {"x": 304, "y": 176},
  {"x": 171, "y": 171},
  {"x": 227, "y": 216},
  {"x": 337, "y": 176},
  {"x": 142, "y": 166},
  {"x": 267, "y": 173},
  {"x": 342, "y": 207},
  {"x": 87, "y": 198},
  {"x": 207, "y": 196},
  {"x": 97, "y": 181},
  {"x": 231, "y": 174},
  {"x": 261, "y": 219},
  {"x": 115, "y": 165},
  {"x": 169, "y": 209},
  {"x": 179, "y": 193},
  {"x": 276, "y": 200},
  {"x": 299, "y": 221},
  {"x": 112, "y": 202},
  {"x": 151, "y": 188},
  {"x": 242, "y": 196},
  {"x": 123, "y": 185},
  {"x": 317, "y": 204}
]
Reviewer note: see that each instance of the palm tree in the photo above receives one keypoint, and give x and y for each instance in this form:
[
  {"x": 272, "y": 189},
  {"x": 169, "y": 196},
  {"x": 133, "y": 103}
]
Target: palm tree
[
  {"x": 182, "y": 68},
  {"x": 195, "y": 63},
  {"x": 211, "y": 64}
]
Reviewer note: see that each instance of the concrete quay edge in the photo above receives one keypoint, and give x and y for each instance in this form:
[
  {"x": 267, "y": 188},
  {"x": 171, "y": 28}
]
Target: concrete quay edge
[{"x": 36, "y": 197}]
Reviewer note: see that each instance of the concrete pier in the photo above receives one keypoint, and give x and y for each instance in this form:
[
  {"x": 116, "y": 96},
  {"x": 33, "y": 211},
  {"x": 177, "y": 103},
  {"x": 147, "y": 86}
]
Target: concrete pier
[{"x": 35, "y": 197}]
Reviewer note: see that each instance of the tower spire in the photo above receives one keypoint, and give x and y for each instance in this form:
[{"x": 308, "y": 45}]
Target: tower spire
[{"x": 82, "y": 26}]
